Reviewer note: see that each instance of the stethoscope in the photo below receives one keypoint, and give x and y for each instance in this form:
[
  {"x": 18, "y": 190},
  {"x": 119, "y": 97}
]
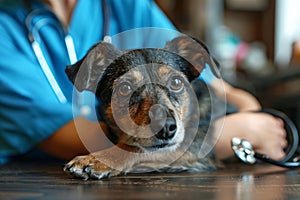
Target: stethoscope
[
  {"x": 33, "y": 29},
  {"x": 245, "y": 152}
]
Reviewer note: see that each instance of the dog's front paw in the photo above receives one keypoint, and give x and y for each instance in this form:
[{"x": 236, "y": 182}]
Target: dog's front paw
[{"x": 86, "y": 167}]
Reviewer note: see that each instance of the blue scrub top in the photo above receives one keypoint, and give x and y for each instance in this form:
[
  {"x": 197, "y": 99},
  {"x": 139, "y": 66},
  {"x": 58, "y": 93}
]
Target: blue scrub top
[{"x": 29, "y": 109}]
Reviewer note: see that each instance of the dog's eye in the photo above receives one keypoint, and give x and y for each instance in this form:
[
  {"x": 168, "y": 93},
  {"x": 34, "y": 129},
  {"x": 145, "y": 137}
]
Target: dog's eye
[
  {"x": 125, "y": 89},
  {"x": 176, "y": 84}
]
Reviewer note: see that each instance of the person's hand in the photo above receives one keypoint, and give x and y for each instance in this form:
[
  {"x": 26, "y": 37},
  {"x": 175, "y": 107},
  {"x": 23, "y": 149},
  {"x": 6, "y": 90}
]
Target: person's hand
[{"x": 265, "y": 132}]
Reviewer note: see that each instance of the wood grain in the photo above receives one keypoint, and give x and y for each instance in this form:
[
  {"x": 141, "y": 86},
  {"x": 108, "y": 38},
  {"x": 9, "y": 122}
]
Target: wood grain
[{"x": 46, "y": 180}]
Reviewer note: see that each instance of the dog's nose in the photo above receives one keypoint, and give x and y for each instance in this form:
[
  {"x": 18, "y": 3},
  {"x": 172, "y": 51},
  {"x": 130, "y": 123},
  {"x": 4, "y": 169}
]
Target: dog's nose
[
  {"x": 162, "y": 122},
  {"x": 168, "y": 131}
]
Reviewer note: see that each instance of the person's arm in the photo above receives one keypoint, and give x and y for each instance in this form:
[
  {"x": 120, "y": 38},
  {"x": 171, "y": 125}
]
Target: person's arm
[
  {"x": 243, "y": 100},
  {"x": 265, "y": 132},
  {"x": 78, "y": 137},
  {"x": 30, "y": 113}
]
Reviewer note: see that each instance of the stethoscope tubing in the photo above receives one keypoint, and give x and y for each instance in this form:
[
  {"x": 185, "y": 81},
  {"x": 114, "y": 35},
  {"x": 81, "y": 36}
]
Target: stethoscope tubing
[
  {"x": 47, "y": 72},
  {"x": 34, "y": 37},
  {"x": 285, "y": 164},
  {"x": 34, "y": 28}
]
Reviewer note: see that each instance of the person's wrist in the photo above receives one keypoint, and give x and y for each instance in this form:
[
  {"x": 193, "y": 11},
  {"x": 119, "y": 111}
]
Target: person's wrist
[{"x": 245, "y": 123}]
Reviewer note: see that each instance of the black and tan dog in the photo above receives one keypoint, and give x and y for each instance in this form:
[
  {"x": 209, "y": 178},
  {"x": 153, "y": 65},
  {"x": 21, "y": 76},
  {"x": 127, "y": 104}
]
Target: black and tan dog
[{"x": 147, "y": 101}]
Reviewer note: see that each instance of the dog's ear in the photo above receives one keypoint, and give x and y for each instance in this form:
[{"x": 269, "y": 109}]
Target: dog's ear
[
  {"x": 86, "y": 73},
  {"x": 195, "y": 52}
]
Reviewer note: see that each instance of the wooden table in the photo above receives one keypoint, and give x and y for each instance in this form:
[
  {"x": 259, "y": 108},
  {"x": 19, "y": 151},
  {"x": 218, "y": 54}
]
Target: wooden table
[{"x": 27, "y": 179}]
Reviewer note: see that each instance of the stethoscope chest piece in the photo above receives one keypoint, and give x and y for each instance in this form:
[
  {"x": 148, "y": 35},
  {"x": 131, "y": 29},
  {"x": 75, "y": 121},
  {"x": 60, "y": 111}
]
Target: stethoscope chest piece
[{"x": 243, "y": 150}]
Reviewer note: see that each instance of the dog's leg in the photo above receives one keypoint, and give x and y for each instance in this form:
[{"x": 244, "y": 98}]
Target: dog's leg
[
  {"x": 111, "y": 162},
  {"x": 165, "y": 162},
  {"x": 115, "y": 161}
]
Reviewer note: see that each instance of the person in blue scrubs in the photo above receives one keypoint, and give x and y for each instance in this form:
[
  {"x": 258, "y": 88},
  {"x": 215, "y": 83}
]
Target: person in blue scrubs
[{"x": 31, "y": 115}]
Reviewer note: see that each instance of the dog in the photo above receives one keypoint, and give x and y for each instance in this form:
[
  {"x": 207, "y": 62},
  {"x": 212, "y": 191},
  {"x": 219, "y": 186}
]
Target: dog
[{"x": 147, "y": 99}]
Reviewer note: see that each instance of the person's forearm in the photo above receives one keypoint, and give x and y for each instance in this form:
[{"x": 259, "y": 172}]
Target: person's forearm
[
  {"x": 243, "y": 100},
  {"x": 223, "y": 136},
  {"x": 225, "y": 129},
  {"x": 78, "y": 137}
]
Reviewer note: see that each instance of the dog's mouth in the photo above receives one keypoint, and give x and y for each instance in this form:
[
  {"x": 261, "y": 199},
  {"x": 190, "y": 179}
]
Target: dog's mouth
[{"x": 159, "y": 146}]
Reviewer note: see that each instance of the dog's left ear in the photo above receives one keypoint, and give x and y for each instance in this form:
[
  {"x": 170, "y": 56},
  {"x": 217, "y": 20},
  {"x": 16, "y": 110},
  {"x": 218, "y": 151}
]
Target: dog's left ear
[
  {"x": 86, "y": 73},
  {"x": 195, "y": 52}
]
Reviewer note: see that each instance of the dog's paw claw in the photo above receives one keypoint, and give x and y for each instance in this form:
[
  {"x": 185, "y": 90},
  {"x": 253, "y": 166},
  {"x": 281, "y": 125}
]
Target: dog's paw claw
[
  {"x": 76, "y": 172},
  {"x": 87, "y": 169},
  {"x": 97, "y": 175}
]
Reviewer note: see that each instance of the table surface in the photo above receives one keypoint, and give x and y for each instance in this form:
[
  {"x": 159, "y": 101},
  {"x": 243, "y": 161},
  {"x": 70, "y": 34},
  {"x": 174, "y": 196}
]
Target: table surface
[{"x": 46, "y": 180}]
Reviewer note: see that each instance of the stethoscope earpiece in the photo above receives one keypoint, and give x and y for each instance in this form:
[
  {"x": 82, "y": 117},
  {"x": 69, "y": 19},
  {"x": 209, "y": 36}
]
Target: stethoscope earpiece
[{"x": 245, "y": 152}]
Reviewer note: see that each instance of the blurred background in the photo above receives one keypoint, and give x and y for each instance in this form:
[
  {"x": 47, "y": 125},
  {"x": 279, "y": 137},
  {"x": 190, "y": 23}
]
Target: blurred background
[{"x": 257, "y": 43}]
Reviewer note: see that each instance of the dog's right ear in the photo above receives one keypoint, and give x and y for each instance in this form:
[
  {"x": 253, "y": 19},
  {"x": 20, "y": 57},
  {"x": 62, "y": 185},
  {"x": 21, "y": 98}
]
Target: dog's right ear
[
  {"x": 195, "y": 52},
  {"x": 86, "y": 73}
]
